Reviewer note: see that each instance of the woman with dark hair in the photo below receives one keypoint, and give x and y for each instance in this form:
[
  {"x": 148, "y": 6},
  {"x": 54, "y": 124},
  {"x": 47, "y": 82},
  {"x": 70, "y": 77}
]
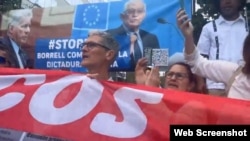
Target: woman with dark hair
[
  {"x": 178, "y": 77},
  {"x": 217, "y": 70}
]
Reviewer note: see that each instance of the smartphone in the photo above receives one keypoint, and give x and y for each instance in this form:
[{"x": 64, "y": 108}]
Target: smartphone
[
  {"x": 182, "y": 4},
  {"x": 148, "y": 54}
]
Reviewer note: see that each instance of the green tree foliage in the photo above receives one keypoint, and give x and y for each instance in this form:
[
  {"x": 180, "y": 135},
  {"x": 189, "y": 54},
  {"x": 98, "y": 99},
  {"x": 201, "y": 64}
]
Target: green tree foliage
[
  {"x": 206, "y": 13},
  {"x": 6, "y": 5}
]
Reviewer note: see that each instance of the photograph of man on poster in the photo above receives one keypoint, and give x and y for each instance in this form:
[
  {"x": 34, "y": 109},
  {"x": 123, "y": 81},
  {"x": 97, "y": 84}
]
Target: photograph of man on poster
[
  {"x": 132, "y": 17},
  {"x": 18, "y": 30}
]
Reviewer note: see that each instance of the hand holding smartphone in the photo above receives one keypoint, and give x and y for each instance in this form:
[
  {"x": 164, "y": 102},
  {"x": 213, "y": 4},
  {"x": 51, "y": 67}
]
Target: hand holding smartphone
[{"x": 182, "y": 5}]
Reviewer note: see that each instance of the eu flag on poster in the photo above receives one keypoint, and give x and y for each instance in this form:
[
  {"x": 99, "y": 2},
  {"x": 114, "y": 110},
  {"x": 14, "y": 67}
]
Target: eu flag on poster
[{"x": 91, "y": 16}]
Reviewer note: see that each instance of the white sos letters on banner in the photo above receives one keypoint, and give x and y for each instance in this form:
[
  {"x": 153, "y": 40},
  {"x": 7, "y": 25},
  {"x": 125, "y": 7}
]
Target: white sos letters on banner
[
  {"x": 125, "y": 99},
  {"x": 42, "y": 107},
  {"x": 42, "y": 103},
  {"x": 11, "y": 99}
]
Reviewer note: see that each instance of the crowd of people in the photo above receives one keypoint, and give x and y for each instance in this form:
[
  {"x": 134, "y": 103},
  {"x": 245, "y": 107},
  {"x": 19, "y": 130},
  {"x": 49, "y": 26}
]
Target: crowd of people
[
  {"x": 221, "y": 52},
  {"x": 222, "y": 59}
]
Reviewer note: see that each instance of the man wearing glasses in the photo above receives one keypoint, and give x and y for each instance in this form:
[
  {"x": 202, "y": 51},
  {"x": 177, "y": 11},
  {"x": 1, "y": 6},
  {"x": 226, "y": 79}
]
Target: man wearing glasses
[
  {"x": 132, "y": 17},
  {"x": 99, "y": 51}
]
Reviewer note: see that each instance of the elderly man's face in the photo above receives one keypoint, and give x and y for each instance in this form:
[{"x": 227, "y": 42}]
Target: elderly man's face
[
  {"x": 134, "y": 15},
  {"x": 20, "y": 32}
]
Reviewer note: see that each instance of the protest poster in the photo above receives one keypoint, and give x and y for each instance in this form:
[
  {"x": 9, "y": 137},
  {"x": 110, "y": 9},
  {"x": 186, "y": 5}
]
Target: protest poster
[{"x": 73, "y": 21}]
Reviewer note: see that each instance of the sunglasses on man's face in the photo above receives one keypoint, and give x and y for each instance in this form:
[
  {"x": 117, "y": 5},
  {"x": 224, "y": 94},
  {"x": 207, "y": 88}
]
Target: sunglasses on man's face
[{"x": 3, "y": 60}]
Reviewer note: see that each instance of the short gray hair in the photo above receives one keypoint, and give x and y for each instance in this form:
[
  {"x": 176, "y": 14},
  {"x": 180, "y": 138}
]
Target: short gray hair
[
  {"x": 15, "y": 16},
  {"x": 107, "y": 40},
  {"x": 125, "y": 8}
]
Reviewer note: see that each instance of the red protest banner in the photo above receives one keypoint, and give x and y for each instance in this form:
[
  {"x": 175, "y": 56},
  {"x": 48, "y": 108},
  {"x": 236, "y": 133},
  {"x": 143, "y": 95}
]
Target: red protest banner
[{"x": 72, "y": 106}]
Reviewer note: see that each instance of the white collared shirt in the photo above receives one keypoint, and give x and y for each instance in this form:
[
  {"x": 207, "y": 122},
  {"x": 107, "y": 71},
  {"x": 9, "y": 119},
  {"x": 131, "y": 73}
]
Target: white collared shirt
[
  {"x": 16, "y": 49},
  {"x": 231, "y": 35}
]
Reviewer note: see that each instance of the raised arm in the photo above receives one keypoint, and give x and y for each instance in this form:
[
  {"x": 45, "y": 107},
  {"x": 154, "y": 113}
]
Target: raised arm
[
  {"x": 216, "y": 70},
  {"x": 187, "y": 30}
]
